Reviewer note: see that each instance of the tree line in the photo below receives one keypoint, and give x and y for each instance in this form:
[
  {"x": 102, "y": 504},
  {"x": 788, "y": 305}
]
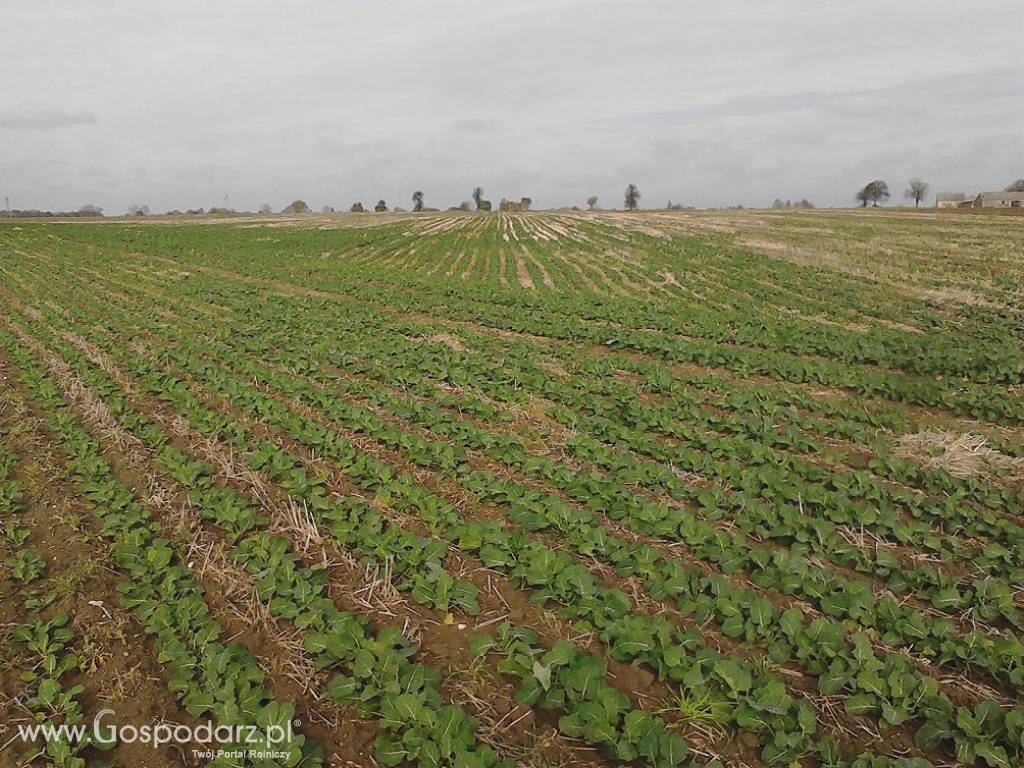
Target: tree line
[{"x": 872, "y": 193}]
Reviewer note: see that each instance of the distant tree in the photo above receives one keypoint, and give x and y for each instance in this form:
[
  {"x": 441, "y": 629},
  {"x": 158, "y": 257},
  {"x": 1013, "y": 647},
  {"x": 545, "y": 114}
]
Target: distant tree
[
  {"x": 381, "y": 206},
  {"x": 879, "y": 192},
  {"x": 265, "y": 208},
  {"x": 873, "y": 192},
  {"x": 917, "y": 190},
  {"x": 1017, "y": 186},
  {"x": 464, "y": 206},
  {"x": 356, "y": 208},
  {"x": 478, "y": 195},
  {"x": 138, "y": 210},
  {"x": 805, "y": 203},
  {"x": 591, "y": 202},
  {"x": 777, "y": 203},
  {"x": 296, "y": 206},
  {"x": 527, "y": 202},
  {"x": 90, "y": 210},
  {"x": 632, "y": 197},
  {"x": 327, "y": 209},
  {"x": 417, "y": 201}
]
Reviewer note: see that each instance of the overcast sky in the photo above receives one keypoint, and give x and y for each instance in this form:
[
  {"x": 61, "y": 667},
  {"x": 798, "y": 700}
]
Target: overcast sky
[{"x": 176, "y": 103}]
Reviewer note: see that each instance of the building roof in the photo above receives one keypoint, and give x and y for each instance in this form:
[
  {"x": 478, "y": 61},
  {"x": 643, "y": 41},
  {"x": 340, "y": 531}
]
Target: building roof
[
  {"x": 950, "y": 197},
  {"x": 1002, "y": 196}
]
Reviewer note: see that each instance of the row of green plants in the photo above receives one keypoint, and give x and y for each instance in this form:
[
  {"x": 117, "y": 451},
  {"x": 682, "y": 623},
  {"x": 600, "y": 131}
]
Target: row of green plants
[
  {"x": 935, "y": 585},
  {"x": 861, "y": 486},
  {"x": 322, "y": 439},
  {"x": 726, "y": 460},
  {"x": 46, "y": 643},
  {"x": 351, "y": 520},
  {"x": 546, "y": 566},
  {"x": 343, "y": 642},
  {"x": 552, "y": 316},
  {"x": 213, "y": 678},
  {"x": 904, "y": 625},
  {"x": 929, "y": 582},
  {"x": 897, "y": 699},
  {"x": 414, "y": 561},
  {"x": 558, "y": 578},
  {"x": 894, "y": 710},
  {"x": 22, "y": 564},
  {"x": 749, "y": 415},
  {"x": 54, "y": 703},
  {"x": 755, "y": 323},
  {"x": 839, "y": 597},
  {"x": 773, "y": 569}
]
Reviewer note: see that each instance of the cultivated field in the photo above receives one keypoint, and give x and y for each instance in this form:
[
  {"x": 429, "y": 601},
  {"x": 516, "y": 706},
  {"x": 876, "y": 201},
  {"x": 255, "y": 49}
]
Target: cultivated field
[{"x": 555, "y": 489}]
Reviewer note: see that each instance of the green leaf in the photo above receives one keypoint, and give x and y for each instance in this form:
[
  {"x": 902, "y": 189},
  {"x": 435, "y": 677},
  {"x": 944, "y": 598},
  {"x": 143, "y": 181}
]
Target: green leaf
[{"x": 734, "y": 674}]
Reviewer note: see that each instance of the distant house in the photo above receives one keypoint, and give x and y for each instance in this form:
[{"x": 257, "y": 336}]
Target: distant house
[
  {"x": 949, "y": 199},
  {"x": 999, "y": 200},
  {"x": 511, "y": 205}
]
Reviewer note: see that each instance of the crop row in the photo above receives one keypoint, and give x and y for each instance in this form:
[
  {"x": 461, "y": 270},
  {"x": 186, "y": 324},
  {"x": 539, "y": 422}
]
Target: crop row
[
  {"x": 987, "y": 600},
  {"x": 759, "y": 700}
]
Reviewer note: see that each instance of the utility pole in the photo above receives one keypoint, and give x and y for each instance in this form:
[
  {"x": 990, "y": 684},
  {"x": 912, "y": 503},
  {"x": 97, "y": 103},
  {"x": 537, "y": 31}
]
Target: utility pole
[{"x": 7, "y": 206}]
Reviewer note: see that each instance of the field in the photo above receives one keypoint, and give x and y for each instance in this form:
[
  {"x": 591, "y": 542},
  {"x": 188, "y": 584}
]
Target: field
[{"x": 549, "y": 489}]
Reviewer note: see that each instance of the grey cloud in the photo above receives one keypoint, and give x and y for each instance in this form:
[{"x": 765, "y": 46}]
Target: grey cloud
[
  {"x": 474, "y": 125},
  {"x": 706, "y": 104},
  {"x": 932, "y": 92},
  {"x": 43, "y": 119},
  {"x": 329, "y": 146}
]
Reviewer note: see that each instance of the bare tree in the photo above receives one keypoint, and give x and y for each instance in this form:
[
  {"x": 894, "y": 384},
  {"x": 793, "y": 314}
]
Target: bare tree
[
  {"x": 863, "y": 197},
  {"x": 591, "y": 202},
  {"x": 90, "y": 210},
  {"x": 917, "y": 190},
  {"x": 296, "y": 206},
  {"x": 265, "y": 208},
  {"x": 478, "y": 195},
  {"x": 632, "y": 198},
  {"x": 417, "y": 201},
  {"x": 1017, "y": 186},
  {"x": 327, "y": 209}
]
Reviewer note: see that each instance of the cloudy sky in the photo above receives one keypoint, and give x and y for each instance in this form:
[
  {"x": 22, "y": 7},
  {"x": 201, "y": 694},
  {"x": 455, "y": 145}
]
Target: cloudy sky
[{"x": 177, "y": 103}]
